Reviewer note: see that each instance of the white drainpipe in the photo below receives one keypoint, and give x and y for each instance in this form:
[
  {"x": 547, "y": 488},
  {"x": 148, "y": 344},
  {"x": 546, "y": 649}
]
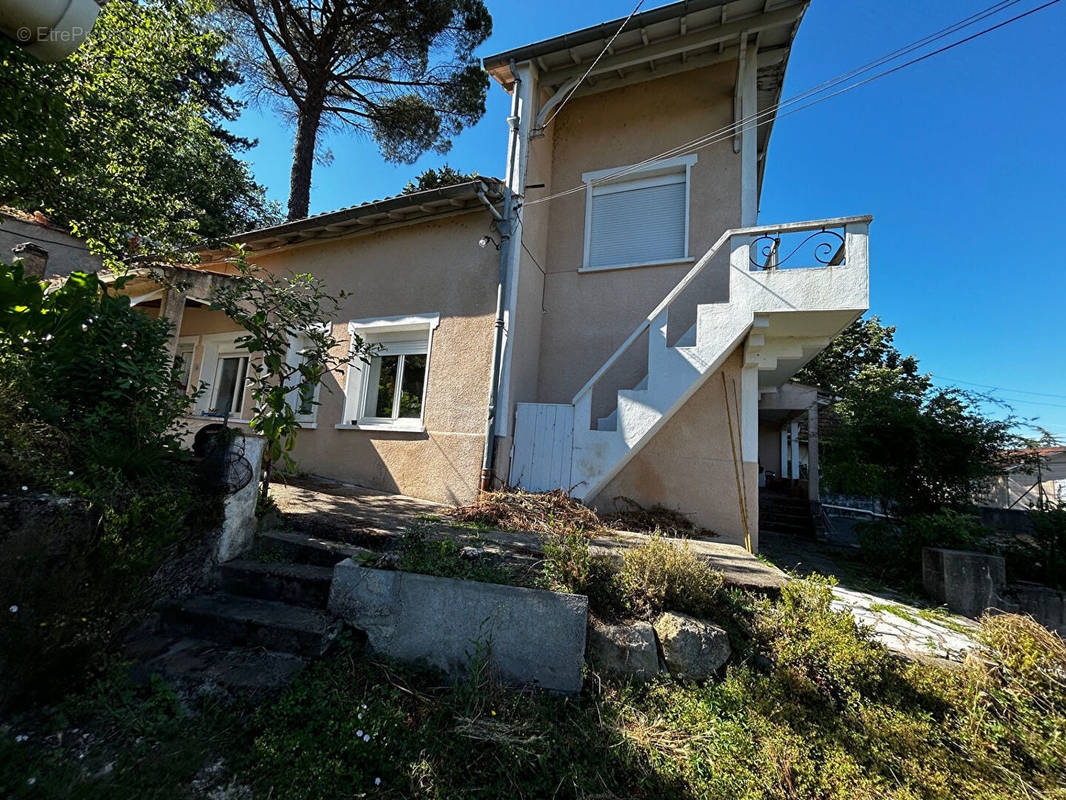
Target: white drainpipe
[{"x": 49, "y": 30}]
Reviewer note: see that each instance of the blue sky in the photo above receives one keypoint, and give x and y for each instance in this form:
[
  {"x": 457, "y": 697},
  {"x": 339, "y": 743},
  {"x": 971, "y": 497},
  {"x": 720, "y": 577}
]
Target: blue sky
[{"x": 960, "y": 159}]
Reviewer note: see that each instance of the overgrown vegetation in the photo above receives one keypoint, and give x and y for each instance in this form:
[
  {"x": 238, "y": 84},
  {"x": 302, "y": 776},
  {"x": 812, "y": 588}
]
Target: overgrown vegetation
[
  {"x": 1041, "y": 557},
  {"x": 444, "y": 557},
  {"x": 643, "y": 582},
  {"x": 893, "y": 549},
  {"x": 819, "y": 713},
  {"x": 97, "y": 494},
  {"x": 889, "y": 433},
  {"x": 124, "y": 142}
]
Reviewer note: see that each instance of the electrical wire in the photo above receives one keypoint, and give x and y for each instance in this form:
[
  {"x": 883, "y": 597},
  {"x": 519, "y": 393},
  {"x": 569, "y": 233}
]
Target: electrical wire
[
  {"x": 998, "y": 388},
  {"x": 759, "y": 118},
  {"x": 592, "y": 66}
]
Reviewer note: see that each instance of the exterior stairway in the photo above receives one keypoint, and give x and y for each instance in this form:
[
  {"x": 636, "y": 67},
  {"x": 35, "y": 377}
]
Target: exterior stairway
[
  {"x": 782, "y": 317},
  {"x": 266, "y": 620},
  {"x": 782, "y": 513}
]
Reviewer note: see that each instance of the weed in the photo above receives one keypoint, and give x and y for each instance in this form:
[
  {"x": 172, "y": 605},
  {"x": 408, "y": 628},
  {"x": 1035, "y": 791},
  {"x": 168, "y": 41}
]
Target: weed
[{"x": 444, "y": 558}]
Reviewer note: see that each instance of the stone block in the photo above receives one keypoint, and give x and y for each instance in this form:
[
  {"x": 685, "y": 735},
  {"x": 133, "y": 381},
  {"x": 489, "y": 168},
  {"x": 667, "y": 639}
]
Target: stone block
[
  {"x": 623, "y": 648},
  {"x": 529, "y": 636},
  {"x": 692, "y": 648},
  {"x": 966, "y": 582},
  {"x": 239, "y": 523}
]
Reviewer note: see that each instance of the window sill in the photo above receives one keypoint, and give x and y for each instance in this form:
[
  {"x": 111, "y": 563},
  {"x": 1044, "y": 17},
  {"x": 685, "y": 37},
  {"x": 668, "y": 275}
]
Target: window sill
[
  {"x": 407, "y": 426},
  {"x": 637, "y": 264}
]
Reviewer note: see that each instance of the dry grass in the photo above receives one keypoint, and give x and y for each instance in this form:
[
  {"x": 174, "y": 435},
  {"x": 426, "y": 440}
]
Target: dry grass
[
  {"x": 519, "y": 510},
  {"x": 656, "y": 519}
]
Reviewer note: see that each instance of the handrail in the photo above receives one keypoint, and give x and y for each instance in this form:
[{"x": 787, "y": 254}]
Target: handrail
[{"x": 697, "y": 268}]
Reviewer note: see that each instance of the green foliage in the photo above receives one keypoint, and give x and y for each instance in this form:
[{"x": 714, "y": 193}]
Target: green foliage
[
  {"x": 91, "y": 404},
  {"x": 443, "y": 557},
  {"x": 438, "y": 178},
  {"x": 402, "y": 73},
  {"x": 125, "y": 138},
  {"x": 1041, "y": 557},
  {"x": 660, "y": 576},
  {"x": 655, "y": 577},
  {"x": 279, "y": 313},
  {"x": 889, "y": 434},
  {"x": 815, "y": 650},
  {"x": 895, "y": 549}
]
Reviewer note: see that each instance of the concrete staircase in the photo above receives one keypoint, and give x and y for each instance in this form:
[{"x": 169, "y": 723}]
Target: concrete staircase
[
  {"x": 781, "y": 513},
  {"x": 266, "y": 620}
]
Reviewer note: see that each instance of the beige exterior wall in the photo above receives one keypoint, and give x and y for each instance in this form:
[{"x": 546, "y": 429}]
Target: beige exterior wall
[
  {"x": 430, "y": 268},
  {"x": 689, "y": 466},
  {"x": 586, "y": 315}
]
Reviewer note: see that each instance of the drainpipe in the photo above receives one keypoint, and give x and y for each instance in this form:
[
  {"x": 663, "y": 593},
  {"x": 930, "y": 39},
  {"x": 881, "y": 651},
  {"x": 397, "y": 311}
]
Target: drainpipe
[{"x": 503, "y": 225}]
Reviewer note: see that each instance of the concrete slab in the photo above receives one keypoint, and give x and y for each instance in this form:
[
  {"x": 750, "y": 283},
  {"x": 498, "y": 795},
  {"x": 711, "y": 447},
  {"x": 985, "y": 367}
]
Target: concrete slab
[{"x": 530, "y": 636}]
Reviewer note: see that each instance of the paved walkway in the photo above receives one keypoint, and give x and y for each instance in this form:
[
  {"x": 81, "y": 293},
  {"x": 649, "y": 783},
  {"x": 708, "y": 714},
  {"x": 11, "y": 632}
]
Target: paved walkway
[
  {"x": 353, "y": 514},
  {"x": 902, "y": 624}
]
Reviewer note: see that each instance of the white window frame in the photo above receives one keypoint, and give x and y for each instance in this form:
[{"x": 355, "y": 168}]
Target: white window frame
[
  {"x": 188, "y": 344},
  {"x": 379, "y": 329},
  {"x": 636, "y": 176},
  {"x": 216, "y": 347},
  {"x": 292, "y": 359}
]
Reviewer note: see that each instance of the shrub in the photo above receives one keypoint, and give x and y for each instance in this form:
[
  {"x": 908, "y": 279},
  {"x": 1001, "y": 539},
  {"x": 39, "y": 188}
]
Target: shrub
[
  {"x": 814, "y": 649},
  {"x": 660, "y": 576},
  {"x": 1042, "y": 556},
  {"x": 896, "y": 548},
  {"x": 443, "y": 558},
  {"x": 570, "y": 567}
]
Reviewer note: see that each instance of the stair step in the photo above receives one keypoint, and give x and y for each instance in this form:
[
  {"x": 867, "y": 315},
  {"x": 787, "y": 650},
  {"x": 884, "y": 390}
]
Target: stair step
[
  {"x": 788, "y": 528},
  {"x": 249, "y": 622},
  {"x": 198, "y": 662},
  {"x": 297, "y": 584},
  {"x": 304, "y": 549}
]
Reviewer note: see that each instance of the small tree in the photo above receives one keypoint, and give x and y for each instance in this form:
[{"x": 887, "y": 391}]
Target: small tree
[{"x": 291, "y": 340}]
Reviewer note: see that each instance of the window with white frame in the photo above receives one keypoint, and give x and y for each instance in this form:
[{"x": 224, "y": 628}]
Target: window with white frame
[
  {"x": 389, "y": 391},
  {"x": 183, "y": 360},
  {"x": 639, "y": 217},
  {"x": 227, "y": 389},
  {"x": 305, "y": 404}
]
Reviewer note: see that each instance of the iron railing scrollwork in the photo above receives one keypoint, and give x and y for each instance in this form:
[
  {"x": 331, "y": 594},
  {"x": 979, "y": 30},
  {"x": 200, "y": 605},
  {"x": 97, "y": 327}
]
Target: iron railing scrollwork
[{"x": 827, "y": 250}]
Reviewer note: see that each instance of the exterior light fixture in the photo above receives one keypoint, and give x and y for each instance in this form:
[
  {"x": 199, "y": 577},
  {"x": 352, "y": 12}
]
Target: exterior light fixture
[{"x": 484, "y": 241}]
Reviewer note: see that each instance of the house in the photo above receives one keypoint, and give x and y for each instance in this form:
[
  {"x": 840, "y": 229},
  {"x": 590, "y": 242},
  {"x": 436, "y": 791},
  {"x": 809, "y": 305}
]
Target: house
[
  {"x": 45, "y": 248},
  {"x": 609, "y": 317},
  {"x": 1034, "y": 478}
]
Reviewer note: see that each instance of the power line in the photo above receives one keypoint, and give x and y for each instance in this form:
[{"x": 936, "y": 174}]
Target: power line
[
  {"x": 999, "y": 388},
  {"x": 592, "y": 66},
  {"x": 729, "y": 131}
]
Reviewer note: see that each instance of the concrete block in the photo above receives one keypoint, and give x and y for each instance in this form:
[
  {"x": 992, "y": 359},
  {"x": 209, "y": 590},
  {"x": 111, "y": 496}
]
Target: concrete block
[
  {"x": 530, "y": 637},
  {"x": 966, "y": 582},
  {"x": 238, "y": 524},
  {"x": 1047, "y": 606}
]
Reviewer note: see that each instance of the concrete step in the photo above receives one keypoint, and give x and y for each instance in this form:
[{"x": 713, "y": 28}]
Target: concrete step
[
  {"x": 805, "y": 530},
  {"x": 303, "y": 548},
  {"x": 248, "y": 622},
  {"x": 196, "y": 662},
  {"x": 297, "y": 584}
]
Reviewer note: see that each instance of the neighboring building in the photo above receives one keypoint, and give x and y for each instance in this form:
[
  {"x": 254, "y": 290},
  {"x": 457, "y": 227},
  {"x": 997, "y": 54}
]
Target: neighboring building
[
  {"x": 643, "y": 314},
  {"x": 24, "y": 235},
  {"x": 1036, "y": 477}
]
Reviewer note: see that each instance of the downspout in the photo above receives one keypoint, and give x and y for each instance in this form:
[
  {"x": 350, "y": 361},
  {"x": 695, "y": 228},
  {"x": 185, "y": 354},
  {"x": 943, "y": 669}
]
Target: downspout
[{"x": 503, "y": 225}]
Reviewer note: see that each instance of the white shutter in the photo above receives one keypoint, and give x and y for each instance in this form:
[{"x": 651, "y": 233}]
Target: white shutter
[{"x": 638, "y": 221}]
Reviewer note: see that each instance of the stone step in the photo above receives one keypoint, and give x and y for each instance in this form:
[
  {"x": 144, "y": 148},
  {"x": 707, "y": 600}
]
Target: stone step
[
  {"x": 249, "y": 622},
  {"x": 196, "y": 662},
  {"x": 297, "y": 584},
  {"x": 305, "y": 549},
  {"x": 806, "y": 530}
]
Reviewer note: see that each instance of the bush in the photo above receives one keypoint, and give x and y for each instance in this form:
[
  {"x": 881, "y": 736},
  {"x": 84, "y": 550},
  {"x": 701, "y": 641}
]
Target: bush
[
  {"x": 1042, "y": 557},
  {"x": 816, "y": 650},
  {"x": 89, "y": 406},
  {"x": 896, "y": 548},
  {"x": 660, "y": 576},
  {"x": 652, "y": 578}
]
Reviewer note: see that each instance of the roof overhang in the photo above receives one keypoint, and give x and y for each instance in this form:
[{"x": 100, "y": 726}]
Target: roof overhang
[
  {"x": 405, "y": 209},
  {"x": 664, "y": 41}
]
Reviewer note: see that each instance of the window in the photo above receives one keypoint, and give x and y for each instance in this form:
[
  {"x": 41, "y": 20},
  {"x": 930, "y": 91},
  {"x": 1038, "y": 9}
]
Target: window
[
  {"x": 639, "y": 218},
  {"x": 183, "y": 360},
  {"x": 389, "y": 392},
  {"x": 228, "y": 387}
]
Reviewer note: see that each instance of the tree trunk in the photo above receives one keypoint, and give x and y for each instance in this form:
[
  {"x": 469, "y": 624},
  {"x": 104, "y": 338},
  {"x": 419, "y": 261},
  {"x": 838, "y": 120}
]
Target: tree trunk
[{"x": 303, "y": 158}]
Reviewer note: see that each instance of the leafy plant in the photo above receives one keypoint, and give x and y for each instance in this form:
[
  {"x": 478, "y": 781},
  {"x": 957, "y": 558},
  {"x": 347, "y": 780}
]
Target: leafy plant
[
  {"x": 895, "y": 548},
  {"x": 291, "y": 348},
  {"x": 1041, "y": 556},
  {"x": 444, "y": 558},
  {"x": 660, "y": 576}
]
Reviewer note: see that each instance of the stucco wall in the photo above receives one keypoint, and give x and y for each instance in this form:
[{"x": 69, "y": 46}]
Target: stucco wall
[
  {"x": 432, "y": 268},
  {"x": 65, "y": 253},
  {"x": 586, "y": 315},
  {"x": 688, "y": 466}
]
